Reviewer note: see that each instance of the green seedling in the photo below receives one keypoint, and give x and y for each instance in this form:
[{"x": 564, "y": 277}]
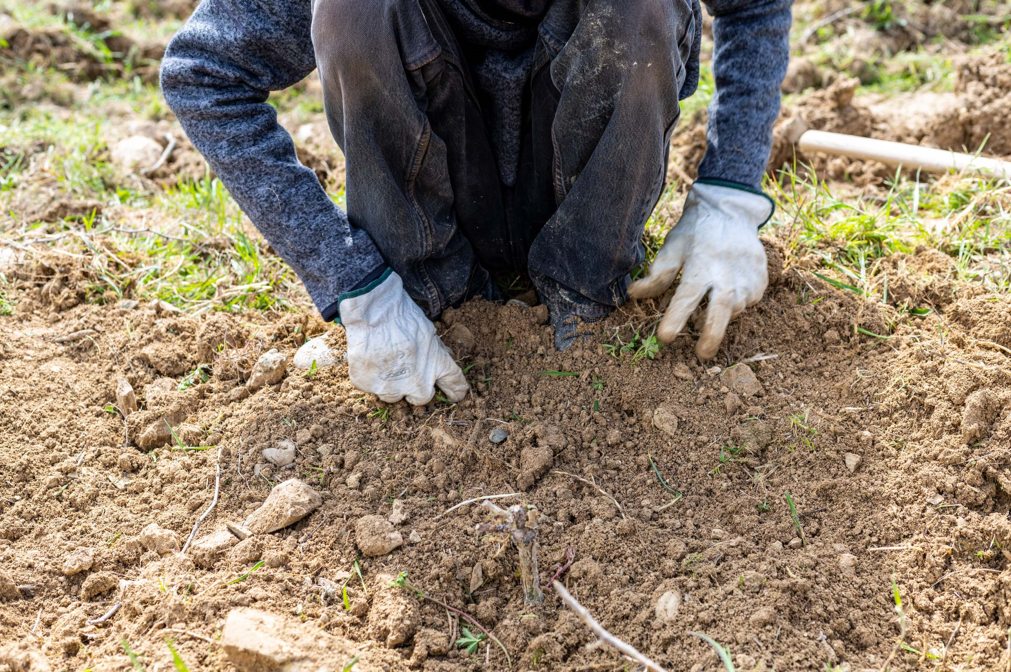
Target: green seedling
[
  {"x": 795, "y": 517},
  {"x": 351, "y": 663},
  {"x": 598, "y": 384},
  {"x": 179, "y": 443},
  {"x": 113, "y": 538},
  {"x": 383, "y": 414},
  {"x": 557, "y": 373},
  {"x": 402, "y": 582},
  {"x": 199, "y": 375},
  {"x": 312, "y": 370},
  {"x": 245, "y": 576},
  {"x": 657, "y": 472},
  {"x": 344, "y": 594},
  {"x": 177, "y": 660},
  {"x": 721, "y": 651},
  {"x": 470, "y": 641},
  {"x": 134, "y": 658}
]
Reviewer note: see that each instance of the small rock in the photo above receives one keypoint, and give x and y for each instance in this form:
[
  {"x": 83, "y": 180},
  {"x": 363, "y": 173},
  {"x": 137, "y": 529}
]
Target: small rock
[
  {"x": 237, "y": 394},
  {"x": 682, "y": 372},
  {"x": 935, "y": 500},
  {"x": 128, "y": 304},
  {"x": 8, "y": 589},
  {"x": 394, "y": 616},
  {"x": 848, "y": 564},
  {"x": 476, "y": 578},
  {"x": 354, "y": 481},
  {"x": 832, "y": 337},
  {"x": 98, "y": 583},
  {"x": 415, "y": 538},
  {"x": 77, "y": 561},
  {"x": 666, "y": 420},
  {"x": 268, "y": 370},
  {"x": 853, "y": 461},
  {"x": 398, "y": 515},
  {"x": 460, "y": 339},
  {"x": 282, "y": 455},
  {"x": 317, "y": 350},
  {"x": 795, "y": 543},
  {"x": 303, "y": 436},
  {"x": 206, "y": 551},
  {"x": 135, "y": 153},
  {"x": 498, "y": 435},
  {"x": 158, "y": 539},
  {"x": 534, "y": 463},
  {"x": 287, "y": 503},
  {"x": 376, "y": 536},
  {"x": 667, "y": 607},
  {"x": 614, "y": 437},
  {"x": 775, "y": 547},
  {"x": 126, "y": 398},
  {"x": 256, "y": 641},
  {"x": 763, "y": 617},
  {"x": 742, "y": 380}
]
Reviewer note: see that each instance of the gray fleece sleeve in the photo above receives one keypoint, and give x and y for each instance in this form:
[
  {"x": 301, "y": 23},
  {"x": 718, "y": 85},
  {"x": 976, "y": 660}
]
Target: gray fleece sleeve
[
  {"x": 216, "y": 76},
  {"x": 751, "y": 53}
]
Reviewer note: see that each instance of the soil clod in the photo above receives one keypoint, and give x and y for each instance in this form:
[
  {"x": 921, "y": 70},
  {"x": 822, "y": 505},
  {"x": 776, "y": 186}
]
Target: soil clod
[{"x": 287, "y": 503}]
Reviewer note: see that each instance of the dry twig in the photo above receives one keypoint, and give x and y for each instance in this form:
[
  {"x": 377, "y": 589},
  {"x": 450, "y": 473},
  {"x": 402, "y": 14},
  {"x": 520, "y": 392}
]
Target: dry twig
[
  {"x": 214, "y": 502},
  {"x": 591, "y": 483},
  {"x": 106, "y": 616},
  {"x": 627, "y": 649},
  {"x": 476, "y": 499}
]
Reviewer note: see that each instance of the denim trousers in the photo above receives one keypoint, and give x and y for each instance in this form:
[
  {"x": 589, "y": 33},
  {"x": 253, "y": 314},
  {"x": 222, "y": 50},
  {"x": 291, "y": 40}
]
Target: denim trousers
[{"x": 413, "y": 99}]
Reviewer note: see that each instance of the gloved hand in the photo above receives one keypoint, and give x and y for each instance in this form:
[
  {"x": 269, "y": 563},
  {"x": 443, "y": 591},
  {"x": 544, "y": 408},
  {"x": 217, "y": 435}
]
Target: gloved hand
[
  {"x": 393, "y": 350},
  {"x": 715, "y": 246}
]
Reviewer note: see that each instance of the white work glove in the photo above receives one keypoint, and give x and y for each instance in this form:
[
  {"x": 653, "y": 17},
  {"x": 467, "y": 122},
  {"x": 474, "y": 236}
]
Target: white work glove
[
  {"x": 393, "y": 351},
  {"x": 715, "y": 246}
]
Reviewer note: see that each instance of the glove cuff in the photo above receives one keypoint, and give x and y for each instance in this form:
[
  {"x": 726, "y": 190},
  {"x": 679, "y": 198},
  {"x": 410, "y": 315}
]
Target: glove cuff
[
  {"x": 355, "y": 293},
  {"x": 727, "y": 184}
]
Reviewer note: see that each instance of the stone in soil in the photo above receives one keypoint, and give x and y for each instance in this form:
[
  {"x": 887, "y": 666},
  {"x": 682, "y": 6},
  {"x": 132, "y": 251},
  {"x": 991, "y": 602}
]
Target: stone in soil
[
  {"x": 852, "y": 461},
  {"x": 742, "y": 380},
  {"x": 126, "y": 398},
  {"x": 666, "y": 420},
  {"x": 534, "y": 463},
  {"x": 498, "y": 435},
  {"x": 398, "y": 515},
  {"x": 848, "y": 564},
  {"x": 158, "y": 539},
  {"x": 8, "y": 589},
  {"x": 317, "y": 350},
  {"x": 206, "y": 551},
  {"x": 282, "y": 455},
  {"x": 98, "y": 583},
  {"x": 460, "y": 339},
  {"x": 256, "y": 641},
  {"x": 287, "y": 503},
  {"x": 667, "y": 607},
  {"x": 268, "y": 370},
  {"x": 394, "y": 616},
  {"x": 376, "y": 536},
  {"x": 135, "y": 153},
  {"x": 77, "y": 561}
]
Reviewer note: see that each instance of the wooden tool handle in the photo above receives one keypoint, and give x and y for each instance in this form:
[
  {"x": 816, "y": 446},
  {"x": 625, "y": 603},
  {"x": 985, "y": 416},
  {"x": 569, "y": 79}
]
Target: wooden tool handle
[{"x": 912, "y": 157}]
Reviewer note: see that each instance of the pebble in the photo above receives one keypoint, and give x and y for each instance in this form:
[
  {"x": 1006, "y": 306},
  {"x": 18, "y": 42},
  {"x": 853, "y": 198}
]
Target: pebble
[
  {"x": 158, "y": 539},
  {"x": 8, "y": 589},
  {"x": 498, "y": 435},
  {"x": 317, "y": 350},
  {"x": 763, "y": 617},
  {"x": 853, "y": 461},
  {"x": 135, "y": 153},
  {"x": 376, "y": 536},
  {"x": 742, "y": 380},
  {"x": 667, "y": 606},
  {"x": 126, "y": 398},
  {"x": 415, "y": 538},
  {"x": 398, "y": 515},
  {"x": 666, "y": 420},
  {"x": 79, "y": 560},
  {"x": 96, "y": 584},
  {"x": 268, "y": 370},
  {"x": 207, "y": 550},
  {"x": 848, "y": 563},
  {"x": 287, "y": 503},
  {"x": 128, "y": 304},
  {"x": 282, "y": 455}
]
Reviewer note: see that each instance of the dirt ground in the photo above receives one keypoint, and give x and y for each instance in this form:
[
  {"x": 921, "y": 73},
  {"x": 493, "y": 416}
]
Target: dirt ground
[{"x": 832, "y": 492}]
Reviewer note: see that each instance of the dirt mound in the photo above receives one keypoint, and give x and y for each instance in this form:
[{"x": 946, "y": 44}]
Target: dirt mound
[{"x": 894, "y": 453}]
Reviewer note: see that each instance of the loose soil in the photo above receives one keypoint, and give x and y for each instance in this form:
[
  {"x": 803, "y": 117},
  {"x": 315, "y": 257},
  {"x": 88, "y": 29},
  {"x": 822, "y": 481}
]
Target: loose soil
[{"x": 893, "y": 445}]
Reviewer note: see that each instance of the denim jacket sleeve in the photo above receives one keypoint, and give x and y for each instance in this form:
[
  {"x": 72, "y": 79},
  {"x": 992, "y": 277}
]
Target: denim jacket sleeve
[
  {"x": 751, "y": 53},
  {"x": 216, "y": 76}
]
